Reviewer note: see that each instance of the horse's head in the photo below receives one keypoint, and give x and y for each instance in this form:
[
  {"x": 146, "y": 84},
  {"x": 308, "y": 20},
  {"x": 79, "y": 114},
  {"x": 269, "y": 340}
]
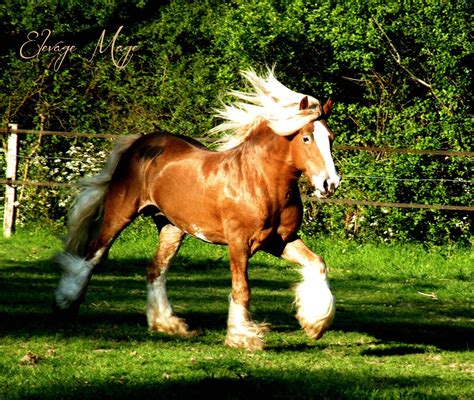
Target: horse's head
[{"x": 311, "y": 152}]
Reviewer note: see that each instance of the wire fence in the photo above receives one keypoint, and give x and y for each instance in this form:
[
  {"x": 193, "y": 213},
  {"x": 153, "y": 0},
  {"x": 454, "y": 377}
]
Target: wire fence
[{"x": 347, "y": 202}]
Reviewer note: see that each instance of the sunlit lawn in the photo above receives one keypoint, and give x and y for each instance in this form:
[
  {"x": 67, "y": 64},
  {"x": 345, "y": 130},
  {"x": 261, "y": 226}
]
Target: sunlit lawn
[{"x": 403, "y": 328}]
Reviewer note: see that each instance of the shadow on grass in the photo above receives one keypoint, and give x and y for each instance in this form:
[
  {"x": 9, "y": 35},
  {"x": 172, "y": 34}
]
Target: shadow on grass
[
  {"x": 238, "y": 382},
  {"x": 389, "y": 329},
  {"x": 394, "y": 351},
  {"x": 27, "y": 290}
]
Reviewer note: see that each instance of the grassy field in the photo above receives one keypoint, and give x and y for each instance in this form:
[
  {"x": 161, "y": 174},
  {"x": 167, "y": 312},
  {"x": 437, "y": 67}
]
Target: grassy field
[{"x": 403, "y": 328}]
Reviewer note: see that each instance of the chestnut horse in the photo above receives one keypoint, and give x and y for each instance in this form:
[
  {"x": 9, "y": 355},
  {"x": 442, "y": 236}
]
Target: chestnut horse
[{"x": 244, "y": 195}]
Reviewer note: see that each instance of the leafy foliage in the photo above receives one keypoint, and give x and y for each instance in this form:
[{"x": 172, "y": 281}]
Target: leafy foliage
[{"x": 399, "y": 72}]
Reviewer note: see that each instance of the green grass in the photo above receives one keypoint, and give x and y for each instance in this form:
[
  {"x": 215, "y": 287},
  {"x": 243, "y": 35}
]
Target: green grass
[{"x": 403, "y": 326}]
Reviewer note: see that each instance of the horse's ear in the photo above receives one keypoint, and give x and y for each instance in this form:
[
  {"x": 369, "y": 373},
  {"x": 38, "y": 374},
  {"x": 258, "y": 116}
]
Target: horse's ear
[
  {"x": 328, "y": 107},
  {"x": 304, "y": 103}
]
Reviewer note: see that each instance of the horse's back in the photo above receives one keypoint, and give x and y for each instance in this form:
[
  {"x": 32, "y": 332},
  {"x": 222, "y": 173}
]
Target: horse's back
[
  {"x": 154, "y": 144},
  {"x": 165, "y": 170},
  {"x": 146, "y": 163}
]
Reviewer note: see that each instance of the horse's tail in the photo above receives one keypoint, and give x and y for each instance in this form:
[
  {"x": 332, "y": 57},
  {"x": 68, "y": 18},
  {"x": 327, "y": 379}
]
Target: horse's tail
[{"x": 86, "y": 212}]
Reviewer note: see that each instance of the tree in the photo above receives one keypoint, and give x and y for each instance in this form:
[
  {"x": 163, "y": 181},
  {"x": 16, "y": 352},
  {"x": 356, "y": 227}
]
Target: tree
[{"x": 400, "y": 74}]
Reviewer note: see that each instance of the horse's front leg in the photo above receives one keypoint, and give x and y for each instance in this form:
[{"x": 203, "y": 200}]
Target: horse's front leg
[
  {"x": 314, "y": 300},
  {"x": 242, "y": 332}
]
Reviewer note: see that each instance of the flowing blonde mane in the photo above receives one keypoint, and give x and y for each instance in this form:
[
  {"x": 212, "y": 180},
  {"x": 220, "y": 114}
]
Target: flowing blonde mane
[{"x": 269, "y": 101}]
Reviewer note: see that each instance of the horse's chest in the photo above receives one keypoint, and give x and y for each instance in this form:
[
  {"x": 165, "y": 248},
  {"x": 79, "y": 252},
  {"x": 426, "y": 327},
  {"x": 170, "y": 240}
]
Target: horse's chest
[
  {"x": 290, "y": 220},
  {"x": 282, "y": 218}
]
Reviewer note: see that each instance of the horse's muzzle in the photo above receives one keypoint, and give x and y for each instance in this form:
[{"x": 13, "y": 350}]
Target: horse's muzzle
[{"x": 326, "y": 188}]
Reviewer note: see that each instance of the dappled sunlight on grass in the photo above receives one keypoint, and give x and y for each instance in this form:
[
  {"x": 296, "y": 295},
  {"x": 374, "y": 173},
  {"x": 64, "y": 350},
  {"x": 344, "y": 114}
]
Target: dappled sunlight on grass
[{"x": 398, "y": 332}]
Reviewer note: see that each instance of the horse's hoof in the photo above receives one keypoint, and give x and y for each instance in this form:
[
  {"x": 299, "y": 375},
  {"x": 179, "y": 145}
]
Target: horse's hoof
[
  {"x": 316, "y": 329},
  {"x": 249, "y": 336},
  {"x": 242, "y": 341},
  {"x": 65, "y": 315},
  {"x": 173, "y": 326}
]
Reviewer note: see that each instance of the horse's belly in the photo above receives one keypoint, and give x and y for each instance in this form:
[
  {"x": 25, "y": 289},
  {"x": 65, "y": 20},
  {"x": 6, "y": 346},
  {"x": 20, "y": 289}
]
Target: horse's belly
[
  {"x": 192, "y": 208},
  {"x": 203, "y": 229}
]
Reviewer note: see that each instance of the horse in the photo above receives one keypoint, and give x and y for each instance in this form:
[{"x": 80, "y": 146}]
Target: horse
[{"x": 244, "y": 195}]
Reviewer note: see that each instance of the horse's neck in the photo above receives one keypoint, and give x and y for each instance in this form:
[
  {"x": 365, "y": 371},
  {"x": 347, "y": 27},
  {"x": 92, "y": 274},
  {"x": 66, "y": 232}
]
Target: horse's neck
[{"x": 270, "y": 154}]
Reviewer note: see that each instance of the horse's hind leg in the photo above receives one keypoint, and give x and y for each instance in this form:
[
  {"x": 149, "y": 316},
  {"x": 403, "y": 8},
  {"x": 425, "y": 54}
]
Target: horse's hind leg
[
  {"x": 160, "y": 314},
  {"x": 77, "y": 269}
]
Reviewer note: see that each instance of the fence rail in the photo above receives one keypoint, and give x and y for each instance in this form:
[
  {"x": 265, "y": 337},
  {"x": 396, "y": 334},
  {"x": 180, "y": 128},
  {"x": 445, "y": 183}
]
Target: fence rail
[
  {"x": 60, "y": 133},
  {"x": 446, "y": 153},
  {"x": 351, "y": 202},
  {"x": 12, "y": 183},
  {"x": 345, "y": 202}
]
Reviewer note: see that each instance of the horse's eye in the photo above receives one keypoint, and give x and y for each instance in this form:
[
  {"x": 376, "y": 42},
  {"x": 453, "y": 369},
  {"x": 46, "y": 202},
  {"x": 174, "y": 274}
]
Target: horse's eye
[{"x": 307, "y": 139}]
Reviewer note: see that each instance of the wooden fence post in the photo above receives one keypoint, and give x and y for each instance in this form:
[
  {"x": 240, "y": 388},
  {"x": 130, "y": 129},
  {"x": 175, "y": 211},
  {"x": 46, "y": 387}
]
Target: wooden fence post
[{"x": 10, "y": 189}]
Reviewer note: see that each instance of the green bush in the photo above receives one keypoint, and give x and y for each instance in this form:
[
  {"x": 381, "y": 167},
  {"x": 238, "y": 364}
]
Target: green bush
[{"x": 400, "y": 73}]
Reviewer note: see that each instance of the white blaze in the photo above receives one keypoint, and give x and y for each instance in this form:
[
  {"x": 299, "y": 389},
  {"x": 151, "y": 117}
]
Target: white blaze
[{"x": 329, "y": 174}]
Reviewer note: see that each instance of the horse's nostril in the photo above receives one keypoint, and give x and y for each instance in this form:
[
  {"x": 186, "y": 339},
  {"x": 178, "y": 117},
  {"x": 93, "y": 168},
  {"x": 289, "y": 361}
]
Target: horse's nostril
[{"x": 325, "y": 185}]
